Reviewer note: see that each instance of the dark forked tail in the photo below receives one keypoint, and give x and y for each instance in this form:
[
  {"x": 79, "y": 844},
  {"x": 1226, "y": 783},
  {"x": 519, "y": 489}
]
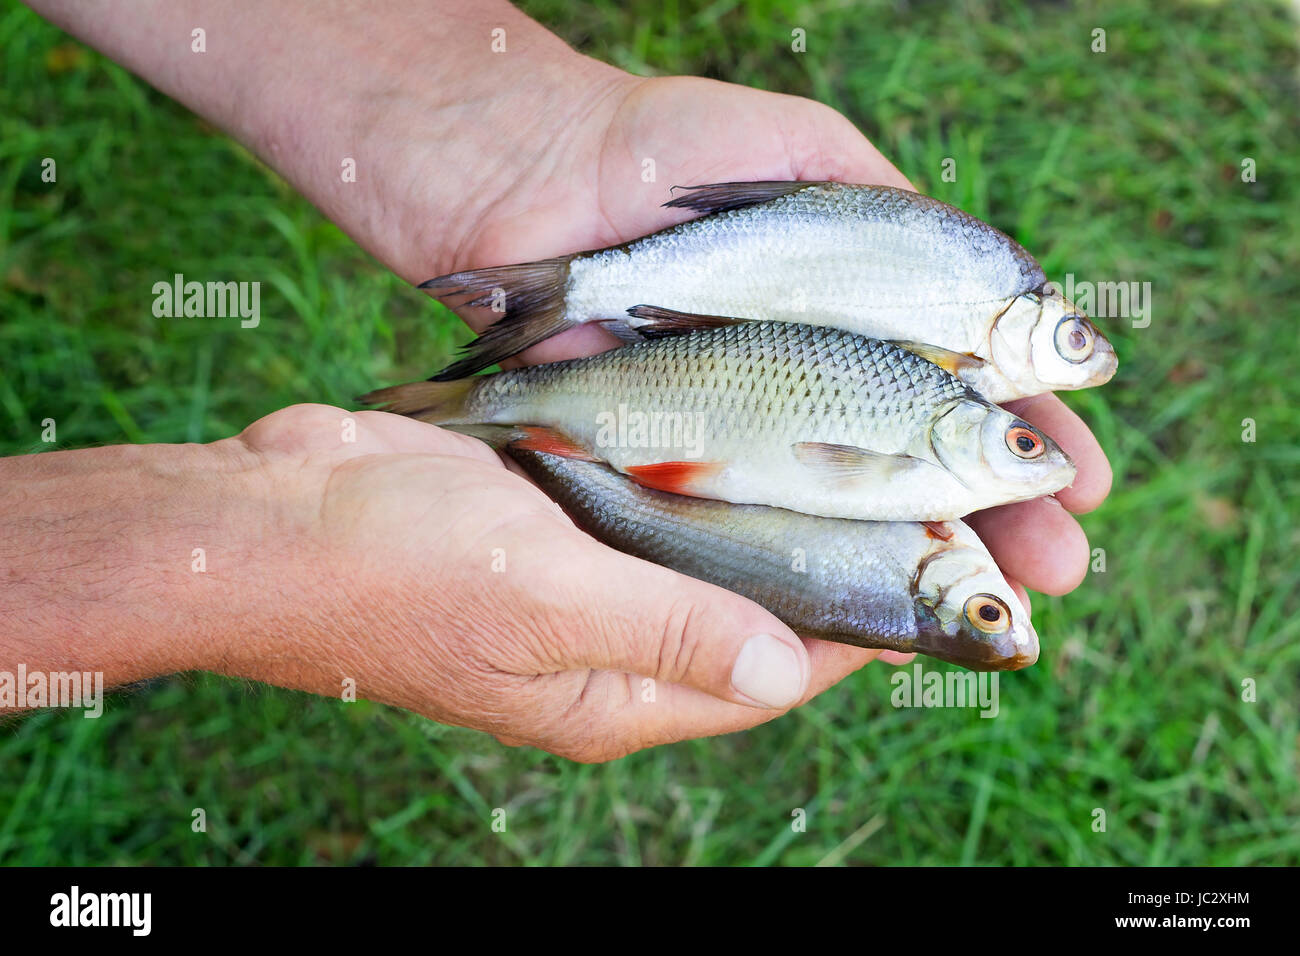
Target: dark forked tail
[{"x": 531, "y": 296}]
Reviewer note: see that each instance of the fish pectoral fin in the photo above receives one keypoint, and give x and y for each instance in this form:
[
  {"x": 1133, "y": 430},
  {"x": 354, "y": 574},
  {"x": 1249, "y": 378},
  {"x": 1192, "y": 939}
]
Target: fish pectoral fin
[
  {"x": 848, "y": 463},
  {"x": 497, "y": 436},
  {"x": 536, "y": 438},
  {"x": 723, "y": 197},
  {"x": 653, "y": 321},
  {"x": 678, "y": 477},
  {"x": 938, "y": 530},
  {"x": 621, "y": 330},
  {"x": 549, "y": 441},
  {"x": 954, "y": 362}
]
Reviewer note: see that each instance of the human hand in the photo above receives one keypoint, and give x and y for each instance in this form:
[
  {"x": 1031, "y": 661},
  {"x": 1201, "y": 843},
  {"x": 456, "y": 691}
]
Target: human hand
[
  {"x": 700, "y": 131},
  {"x": 329, "y": 551},
  {"x": 442, "y": 582},
  {"x": 467, "y": 158}
]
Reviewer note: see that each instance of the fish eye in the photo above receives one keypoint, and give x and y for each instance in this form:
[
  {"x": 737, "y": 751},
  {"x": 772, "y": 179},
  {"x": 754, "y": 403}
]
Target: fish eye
[
  {"x": 1024, "y": 441},
  {"x": 988, "y": 614},
  {"x": 1074, "y": 338}
]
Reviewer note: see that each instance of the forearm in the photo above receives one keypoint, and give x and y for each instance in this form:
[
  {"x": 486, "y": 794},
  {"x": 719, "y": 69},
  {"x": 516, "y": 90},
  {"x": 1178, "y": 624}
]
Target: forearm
[
  {"x": 133, "y": 561},
  {"x": 311, "y": 84}
]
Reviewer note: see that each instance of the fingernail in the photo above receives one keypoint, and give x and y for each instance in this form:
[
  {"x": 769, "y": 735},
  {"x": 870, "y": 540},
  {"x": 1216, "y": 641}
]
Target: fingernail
[
  {"x": 768, "y": 672},
  {"x": 896, "y": 658}
]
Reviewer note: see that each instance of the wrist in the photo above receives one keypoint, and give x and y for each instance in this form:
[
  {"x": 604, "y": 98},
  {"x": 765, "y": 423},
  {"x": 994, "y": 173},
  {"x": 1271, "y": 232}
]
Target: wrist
[
  {"x": 442, "y": 165},
  {"x": 133, "y": 561},
  {"x": 408, "y": 123},
  {"x": 411, "y": 127}
]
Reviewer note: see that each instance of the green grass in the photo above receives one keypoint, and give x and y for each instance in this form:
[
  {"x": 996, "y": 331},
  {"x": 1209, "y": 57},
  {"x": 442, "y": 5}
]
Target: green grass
[{"x": 1115, "y": 166}]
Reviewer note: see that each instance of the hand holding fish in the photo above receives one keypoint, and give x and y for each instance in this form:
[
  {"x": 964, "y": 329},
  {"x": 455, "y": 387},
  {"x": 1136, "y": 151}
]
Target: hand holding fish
[
  {"x": 409, "y": 567},
  {"x": 705, "y": 131},
  {"x": 447, "y": 584},
  {"x": 382, "y": 557},
  {"x": 482, "y": 155}
]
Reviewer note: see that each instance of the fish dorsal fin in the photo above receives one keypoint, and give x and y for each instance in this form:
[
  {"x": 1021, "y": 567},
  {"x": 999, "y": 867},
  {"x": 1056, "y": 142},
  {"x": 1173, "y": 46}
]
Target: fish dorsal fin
[
  {"x": 848, "y": 463},
  {"x": 653, "y": 321},
  {"x": 723, "y": 197},
  {"x": 954, "y": 362}
]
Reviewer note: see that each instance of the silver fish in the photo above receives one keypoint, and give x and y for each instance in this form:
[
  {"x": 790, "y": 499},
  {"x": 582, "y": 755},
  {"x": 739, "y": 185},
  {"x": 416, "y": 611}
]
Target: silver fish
[
  {"x": 892, "y": 585},
  {"x": 772, "y": 413},
  {"x": 875, "y": 260}
]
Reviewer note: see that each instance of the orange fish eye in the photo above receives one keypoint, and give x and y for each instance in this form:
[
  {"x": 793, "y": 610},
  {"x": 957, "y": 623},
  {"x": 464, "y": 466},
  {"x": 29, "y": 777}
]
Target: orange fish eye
[
  {"x": 988, "y": 614},
  {"x": 1024, "y": 441}
]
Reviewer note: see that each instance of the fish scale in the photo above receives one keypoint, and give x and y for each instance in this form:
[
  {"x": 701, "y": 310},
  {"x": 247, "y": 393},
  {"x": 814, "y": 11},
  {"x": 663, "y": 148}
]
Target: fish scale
[
  {"x": 960, "y": 261},
  {"x": 891, "y": 585},
  {"x": 816, "y": 371},
  {"x": 774, "y": 413},
  {"x": 872, "y": 260},
  {"x": 809, "y": 418}
]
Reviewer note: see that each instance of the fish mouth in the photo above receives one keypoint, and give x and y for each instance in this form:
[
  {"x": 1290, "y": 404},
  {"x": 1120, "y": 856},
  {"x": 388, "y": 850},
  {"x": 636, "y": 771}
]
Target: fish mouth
[
  {"x": 1106, "y": 360},
  {"x": 1006, "y": 653},
  {"x": 1012, "y": 650}
]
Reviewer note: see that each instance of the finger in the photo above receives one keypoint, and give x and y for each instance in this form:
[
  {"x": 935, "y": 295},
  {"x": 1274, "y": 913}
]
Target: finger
[
  {"x": 634, "y": 715},
  {"x": 1037, "y": 542},
  {"x": 895, "y": 658},
  {"x": 619, "y": 713},
  {"x": 615, "y": 713},
  {"x": 1055, "y": 418},
  {"x": 832, "y": 662},
  {"x": 640, "y": 618},
  {"x": 586, "y": 339},
  {"x": 828, "y": 146},
  {"x": 1023, "y": 595},
  {"x": 386, "y": 432}
]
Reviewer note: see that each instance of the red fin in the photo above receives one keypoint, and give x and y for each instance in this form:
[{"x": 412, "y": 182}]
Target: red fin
[
  {"x": 678, "y": 477},
  {"x": 937, "y": 529},
  {"x": 551, "y": 442}
]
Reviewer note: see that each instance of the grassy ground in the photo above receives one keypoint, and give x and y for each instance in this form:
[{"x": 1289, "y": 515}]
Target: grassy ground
[{"x": 1123, "y": 165}]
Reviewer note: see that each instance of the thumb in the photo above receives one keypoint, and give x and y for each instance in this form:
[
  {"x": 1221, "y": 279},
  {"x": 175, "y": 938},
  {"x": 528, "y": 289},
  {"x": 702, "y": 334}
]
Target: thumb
[
  {"x": 826, "y": 145},
  {"x": 650, "y": 621}
]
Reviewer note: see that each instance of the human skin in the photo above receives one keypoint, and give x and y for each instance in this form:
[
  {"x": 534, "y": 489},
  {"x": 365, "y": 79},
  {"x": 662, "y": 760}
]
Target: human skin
[{"x": 372, "y": 560}]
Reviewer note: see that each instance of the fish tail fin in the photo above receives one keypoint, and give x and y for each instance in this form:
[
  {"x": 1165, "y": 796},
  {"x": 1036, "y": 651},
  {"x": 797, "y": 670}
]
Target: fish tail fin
[
  {"x": 531, "y": 295},
  {"x": 436, "y": 402}
]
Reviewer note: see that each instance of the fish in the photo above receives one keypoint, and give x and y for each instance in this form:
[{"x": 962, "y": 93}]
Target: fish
[
  {"x": 897, "y": 586},
  {"x": 874, "y": 260},
  {"x": 803, "y": 417}
]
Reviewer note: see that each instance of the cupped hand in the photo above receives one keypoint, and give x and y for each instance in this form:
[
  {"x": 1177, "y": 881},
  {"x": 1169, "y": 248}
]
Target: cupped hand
[
  {"x": 440, "y": 581},
  {"x": 589, "y": 191}
]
